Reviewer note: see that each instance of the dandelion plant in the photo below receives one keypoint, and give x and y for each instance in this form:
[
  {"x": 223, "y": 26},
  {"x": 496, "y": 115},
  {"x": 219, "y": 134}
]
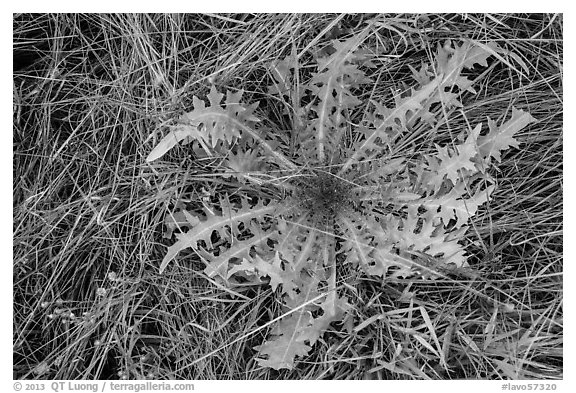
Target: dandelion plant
[{"x": 354, "y": 183}]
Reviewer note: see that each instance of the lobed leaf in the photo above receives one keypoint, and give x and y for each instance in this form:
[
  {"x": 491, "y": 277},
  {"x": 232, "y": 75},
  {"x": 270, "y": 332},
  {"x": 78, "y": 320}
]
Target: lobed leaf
[
  {"x": 211, "y": 124},
  {"x": 502, "y": 138},
  {"x": 203, "y": 231}
]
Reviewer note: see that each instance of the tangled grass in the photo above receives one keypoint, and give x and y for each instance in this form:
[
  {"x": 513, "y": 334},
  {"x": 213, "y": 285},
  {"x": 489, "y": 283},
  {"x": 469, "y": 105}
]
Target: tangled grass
[{"x": 88, "y": 211}]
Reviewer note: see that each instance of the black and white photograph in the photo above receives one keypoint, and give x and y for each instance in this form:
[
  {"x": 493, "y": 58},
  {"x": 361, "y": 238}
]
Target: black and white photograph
[{"x": 286, "y": 196}]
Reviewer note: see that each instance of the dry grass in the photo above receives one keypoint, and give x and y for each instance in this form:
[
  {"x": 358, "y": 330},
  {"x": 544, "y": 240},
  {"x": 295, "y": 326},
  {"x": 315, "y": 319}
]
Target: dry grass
[{"x": 89, "y": 303}]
